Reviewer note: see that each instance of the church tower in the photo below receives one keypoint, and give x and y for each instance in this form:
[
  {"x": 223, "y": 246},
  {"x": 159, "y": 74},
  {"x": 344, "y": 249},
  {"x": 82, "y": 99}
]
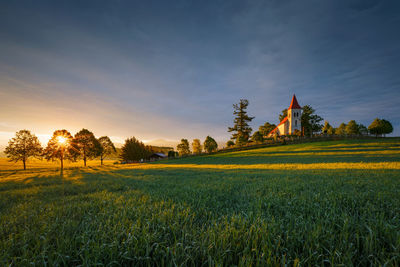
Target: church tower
[{"x": 294, "y": 116}]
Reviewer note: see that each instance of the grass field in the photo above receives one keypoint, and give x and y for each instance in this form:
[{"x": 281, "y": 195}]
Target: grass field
[{"x": 327, "y": 203}]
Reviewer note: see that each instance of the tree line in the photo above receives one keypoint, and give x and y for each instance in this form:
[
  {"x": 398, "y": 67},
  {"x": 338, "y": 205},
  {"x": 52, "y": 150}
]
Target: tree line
[
  {"x": 311, "y": 124},
  {"x": 209, "y": 145},
  {"x": 62, "y": 146}
]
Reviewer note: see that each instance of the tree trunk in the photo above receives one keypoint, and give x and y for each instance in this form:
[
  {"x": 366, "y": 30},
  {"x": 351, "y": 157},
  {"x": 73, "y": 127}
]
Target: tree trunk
[
  {"x": 24, "y": 161},
  {"x": 84, "y": 160},
  {"x": 62, "y": 161},
  {"x": 101, "y": 160}
]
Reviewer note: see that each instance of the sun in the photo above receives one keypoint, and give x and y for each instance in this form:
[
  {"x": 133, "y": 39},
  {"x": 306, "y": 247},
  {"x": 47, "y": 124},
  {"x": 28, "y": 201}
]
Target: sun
[{"x": 61, "y": 140}]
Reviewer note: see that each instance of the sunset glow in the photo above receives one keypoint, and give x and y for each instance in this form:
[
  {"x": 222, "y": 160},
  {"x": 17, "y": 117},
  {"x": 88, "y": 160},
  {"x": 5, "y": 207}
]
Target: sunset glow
[{"x": 61, "y": 140}]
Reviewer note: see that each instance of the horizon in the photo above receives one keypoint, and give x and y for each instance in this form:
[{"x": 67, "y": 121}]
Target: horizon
[{"x": 167, "y": 71}]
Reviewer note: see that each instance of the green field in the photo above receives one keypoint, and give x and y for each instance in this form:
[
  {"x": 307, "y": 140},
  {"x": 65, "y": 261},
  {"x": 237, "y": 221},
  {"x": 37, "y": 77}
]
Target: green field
[{"x": 326, "y": 203}]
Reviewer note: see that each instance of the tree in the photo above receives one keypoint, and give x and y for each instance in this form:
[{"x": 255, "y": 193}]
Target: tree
[
  {"x": 23, "y": 146},
  {"x": 282, "y": 115},
  {"x": 380, "y": 126},
  {"x": 310, "y": 122},
  {"x": 171, "y": 154},
  {"x": 197, "y": 148},
  {"x": 61, "y": 147},
  {"x": 210, "y": 145},
  {"x": 326, "y": 127},
  {"x": 107, "y": 147},
  {"x": 387, "y": 127},
  {"x": 331, "y": 131},
  {"x": 87, "y": 145},
  {"x": 183, "y": 148},
  {"x": 241, "y": 129},
  {"x": 266, "y": 128},
  {"x": 341, "y": 130},
  {"x": 362, "y": 129},
  {"x": 230, "y": 143},
  {"x": 352, "y": 128},
  {"x": 134, "y": 150},
  {"x": 257, "y": 137}
]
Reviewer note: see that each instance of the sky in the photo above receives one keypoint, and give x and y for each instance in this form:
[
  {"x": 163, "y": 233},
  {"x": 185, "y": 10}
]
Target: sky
[{"x": 172, "y": 69}]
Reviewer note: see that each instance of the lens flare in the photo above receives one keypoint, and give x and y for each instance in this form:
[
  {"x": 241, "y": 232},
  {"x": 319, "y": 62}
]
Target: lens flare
[{"x": 61, "y": 140}]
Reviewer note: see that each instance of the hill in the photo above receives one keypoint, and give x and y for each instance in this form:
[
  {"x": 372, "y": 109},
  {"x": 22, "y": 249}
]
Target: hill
[{"x": 327, "y": 203}]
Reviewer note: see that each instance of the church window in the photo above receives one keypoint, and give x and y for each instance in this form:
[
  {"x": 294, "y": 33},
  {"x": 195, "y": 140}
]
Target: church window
[{"x": 295, "y": 123}]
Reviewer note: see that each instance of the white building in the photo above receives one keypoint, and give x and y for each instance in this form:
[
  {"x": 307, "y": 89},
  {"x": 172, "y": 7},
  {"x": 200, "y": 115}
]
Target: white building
[{"x": 291, "y": 122}]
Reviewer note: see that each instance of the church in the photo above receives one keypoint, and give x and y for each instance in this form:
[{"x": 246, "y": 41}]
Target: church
[{"x": 291, "y": 122}]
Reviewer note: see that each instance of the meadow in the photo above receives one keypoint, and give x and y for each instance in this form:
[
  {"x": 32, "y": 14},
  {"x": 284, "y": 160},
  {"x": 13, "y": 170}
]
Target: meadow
[{"x": 325, "y": 203}]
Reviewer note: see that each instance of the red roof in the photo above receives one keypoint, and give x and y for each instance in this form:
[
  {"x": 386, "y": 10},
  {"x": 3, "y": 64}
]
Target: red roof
[
  {"x": 294, "y": 104},
  {"x": 282, "y": 122}
]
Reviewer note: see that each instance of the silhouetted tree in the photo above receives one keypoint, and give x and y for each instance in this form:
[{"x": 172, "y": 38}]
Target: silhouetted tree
[
  {"x": 61, "y": 147},
  {"x": 257, "y": 137},
  {"x": 310, "y": 122},
  {"x": 171, "y": 154},
  {"x": 23, "y": 146},
  {"x": 266, "y": 128},
  {"x": 107, "y": 147},
  {"x": 87, "y": 145},
  {"x": 341, "y": 130},
  {"x": 241, "y": 129},
  {"x": 196, "y": 145},
  {"x": 210, "y": 145},
  {"x": 352, "y": 128},
  {"x": 183, "y": 148},
  {"x": 134, "y": 150}
]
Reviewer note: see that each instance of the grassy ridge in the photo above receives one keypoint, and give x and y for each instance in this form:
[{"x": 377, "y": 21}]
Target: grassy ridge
[{"x": 192, "y": 211}]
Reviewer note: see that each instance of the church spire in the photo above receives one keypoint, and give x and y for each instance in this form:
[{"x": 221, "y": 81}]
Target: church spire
[{"x": 294, "y": 104}]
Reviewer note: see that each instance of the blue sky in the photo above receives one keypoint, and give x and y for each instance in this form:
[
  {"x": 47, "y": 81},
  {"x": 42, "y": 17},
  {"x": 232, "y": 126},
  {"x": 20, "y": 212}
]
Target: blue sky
[{"x": 173, "y": 69}]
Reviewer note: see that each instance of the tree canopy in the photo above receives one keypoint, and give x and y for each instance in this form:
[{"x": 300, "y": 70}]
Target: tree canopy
[
  {"x": 134, "y": 150},
  {"x": 197, "y": 147},
  {"x": 310, "y": 122},
  {"x": 283, "y": 115},
  {"x": 257, "y": 137},
  {"x": 183, "y": 147},
  {"x": 107, "y": 147},
  {"x": 241, "y": 130},
  {"x": 341, "y": 130},
  {"x": 61, "y": 147},
  {"x": 23, "y": 146},
  {"x": 352, "y": 128},
  {"x": 266, "y": 128},
  {"x": 210, "y": 145},
  {"x": 380, "y": 126},
  {"x": 87, "y": 145}
]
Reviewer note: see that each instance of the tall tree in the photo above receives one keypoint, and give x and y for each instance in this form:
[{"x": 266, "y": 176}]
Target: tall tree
[
  {"x": 134, "y": 150},
  {"x": 266, "y": 128},
  {"x": 197, "y": 147},
  {"x": 61, "y": 147},
  {"x": 257, "y": 137},
  {"x": 23, "y": 146},
  {"x": 230, "y": 143},
  {"x": 352, "y": 128},
  {"x": 241, "y": 129},
  {"x": 87, "y": 145},
  {"x": 107, "y": 147},
  {"x": 341, "y": 130},
  {"x": 310, "y": 122},
  {"x": 282, "y": 115},
  {"x": 183, "y": 148},
  {"x": 210, "y": 145}
]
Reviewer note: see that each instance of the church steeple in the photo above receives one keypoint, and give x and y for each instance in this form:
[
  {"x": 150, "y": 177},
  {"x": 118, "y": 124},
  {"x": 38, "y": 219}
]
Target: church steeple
[{"x": 294, "y": 104}]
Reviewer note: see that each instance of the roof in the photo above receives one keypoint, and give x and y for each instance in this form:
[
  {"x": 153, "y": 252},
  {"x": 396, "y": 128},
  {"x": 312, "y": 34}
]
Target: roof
[
  {"x": 294, "y": 104},
  {"x": 282, "y": 122},
  {"x": 161, "y": 155}
]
